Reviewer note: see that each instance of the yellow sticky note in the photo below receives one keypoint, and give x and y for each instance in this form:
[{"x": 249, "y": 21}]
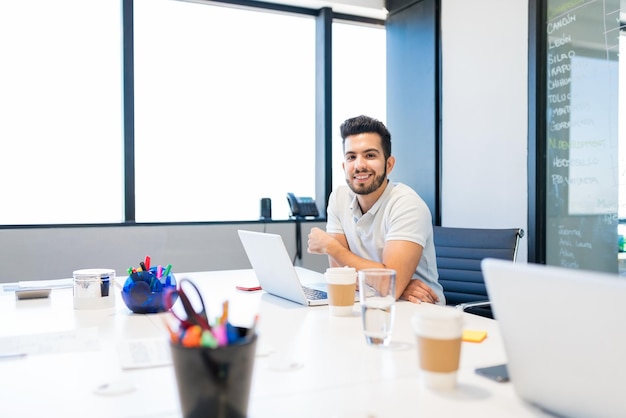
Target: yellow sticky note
[{"x": 474, "y": 336}]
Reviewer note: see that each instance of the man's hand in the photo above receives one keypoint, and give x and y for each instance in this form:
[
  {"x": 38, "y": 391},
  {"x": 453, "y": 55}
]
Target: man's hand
[
  {"x": 418, "y": 291},
  {"x": 319, "y": 241}
]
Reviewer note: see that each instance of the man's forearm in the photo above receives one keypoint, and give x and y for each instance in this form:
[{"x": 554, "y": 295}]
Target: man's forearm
[{"x": 342, "y": 256}]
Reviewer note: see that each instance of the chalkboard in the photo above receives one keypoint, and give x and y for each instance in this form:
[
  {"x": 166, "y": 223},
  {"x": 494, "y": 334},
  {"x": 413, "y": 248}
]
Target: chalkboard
[{"x": 582, "y": 134}]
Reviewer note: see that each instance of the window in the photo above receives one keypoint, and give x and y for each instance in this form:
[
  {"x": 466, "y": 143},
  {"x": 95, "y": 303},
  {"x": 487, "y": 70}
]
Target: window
[
  {"x": 224, "y": 111},
  {"x": 60, "y": 112},
  {"x": 359, "y": 81}
]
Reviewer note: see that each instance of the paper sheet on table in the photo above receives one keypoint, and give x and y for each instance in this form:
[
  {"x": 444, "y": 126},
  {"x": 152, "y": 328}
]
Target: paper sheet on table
[
  {"x": 144, "y": 352},
  {"x": 80, "y": 340}
]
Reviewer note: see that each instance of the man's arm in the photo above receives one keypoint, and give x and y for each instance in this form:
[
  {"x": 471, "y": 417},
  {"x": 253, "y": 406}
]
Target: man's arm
[
  {"x": 417, "y": 291},
  {"x": 402, "y": 256}
]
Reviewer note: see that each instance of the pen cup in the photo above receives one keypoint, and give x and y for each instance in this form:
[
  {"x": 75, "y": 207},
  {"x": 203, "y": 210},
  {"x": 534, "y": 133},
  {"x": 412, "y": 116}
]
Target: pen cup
[
  {"x": 143, "y": 291},
  {"x": 214, "y": 382}
]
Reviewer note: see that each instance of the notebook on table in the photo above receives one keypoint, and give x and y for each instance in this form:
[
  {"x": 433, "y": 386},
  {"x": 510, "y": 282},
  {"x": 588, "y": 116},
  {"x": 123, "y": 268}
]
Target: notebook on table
[
  {"x": 564, "y": 333},
  {"x": 276, "y": 273}
]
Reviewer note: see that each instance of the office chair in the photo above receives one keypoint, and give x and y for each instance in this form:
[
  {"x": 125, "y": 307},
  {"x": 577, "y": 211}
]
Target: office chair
[{"x": 459, "y": 253}]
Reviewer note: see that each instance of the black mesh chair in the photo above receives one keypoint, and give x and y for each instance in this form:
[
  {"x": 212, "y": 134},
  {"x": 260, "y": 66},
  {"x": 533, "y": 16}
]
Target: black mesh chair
[{"x": 459, "y": 253}]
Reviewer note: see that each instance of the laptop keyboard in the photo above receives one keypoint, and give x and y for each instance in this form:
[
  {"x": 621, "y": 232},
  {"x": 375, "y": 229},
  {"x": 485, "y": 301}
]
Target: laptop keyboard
[{"x": 314, "y": 294}]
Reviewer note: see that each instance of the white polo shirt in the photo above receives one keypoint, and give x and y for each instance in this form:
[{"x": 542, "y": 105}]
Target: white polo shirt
[{"x": 399, "y": 214}]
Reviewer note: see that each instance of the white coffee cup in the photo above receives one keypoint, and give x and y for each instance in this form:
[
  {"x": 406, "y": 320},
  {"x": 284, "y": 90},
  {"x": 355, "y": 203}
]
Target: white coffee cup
[
  {"x": 94, "y": 288},
  {"x": 341, "y": 283},
  {"x": 439, "y": 332}
]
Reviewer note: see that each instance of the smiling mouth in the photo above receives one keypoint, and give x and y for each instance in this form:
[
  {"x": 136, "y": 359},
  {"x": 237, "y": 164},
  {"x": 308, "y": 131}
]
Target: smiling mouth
[{"x": 362, "y": 177}]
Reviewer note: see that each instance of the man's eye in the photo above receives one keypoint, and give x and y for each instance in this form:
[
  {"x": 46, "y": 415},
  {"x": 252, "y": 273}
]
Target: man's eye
[{"x": 349, "y": 157}]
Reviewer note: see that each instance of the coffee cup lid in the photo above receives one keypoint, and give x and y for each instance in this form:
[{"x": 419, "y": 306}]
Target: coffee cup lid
[{"x": 439, "y": 323}]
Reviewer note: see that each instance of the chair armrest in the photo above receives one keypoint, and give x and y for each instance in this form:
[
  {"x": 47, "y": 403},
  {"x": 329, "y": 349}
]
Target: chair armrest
[{"x": 467, "y": 305}]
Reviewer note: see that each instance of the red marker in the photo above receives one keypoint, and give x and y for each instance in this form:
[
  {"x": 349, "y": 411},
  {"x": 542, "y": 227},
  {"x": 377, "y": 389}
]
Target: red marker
[{"x": 147, "y": 262}]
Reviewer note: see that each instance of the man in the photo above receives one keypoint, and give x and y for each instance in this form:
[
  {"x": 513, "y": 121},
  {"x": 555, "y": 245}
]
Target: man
[{"x": 374, "y": 223}]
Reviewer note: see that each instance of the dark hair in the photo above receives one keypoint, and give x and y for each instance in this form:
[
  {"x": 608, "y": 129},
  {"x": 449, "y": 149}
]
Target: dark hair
[{"x": 365, "y": 124}]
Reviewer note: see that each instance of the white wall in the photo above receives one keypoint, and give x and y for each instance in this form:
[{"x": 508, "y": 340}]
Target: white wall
[
  {"x": 485, "y": 114},
  {"x": 50, "y": 253}
]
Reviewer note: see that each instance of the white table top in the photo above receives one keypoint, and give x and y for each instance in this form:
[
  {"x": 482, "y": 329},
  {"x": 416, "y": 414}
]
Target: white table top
[{"x": 308, "y": 363}]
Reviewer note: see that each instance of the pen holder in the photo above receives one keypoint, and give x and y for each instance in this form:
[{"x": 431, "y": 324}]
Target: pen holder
[
  {"x": 214, "y": 382},
  {"x": 143, "y": 291}
]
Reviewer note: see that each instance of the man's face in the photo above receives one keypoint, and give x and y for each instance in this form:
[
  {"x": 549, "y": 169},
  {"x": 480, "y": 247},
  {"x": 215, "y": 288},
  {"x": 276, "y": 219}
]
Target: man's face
[{"x": 364, "y": 163}]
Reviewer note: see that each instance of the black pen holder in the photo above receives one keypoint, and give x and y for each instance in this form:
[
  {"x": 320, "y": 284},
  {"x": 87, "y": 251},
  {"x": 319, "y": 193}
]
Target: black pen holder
[
  {"x": 144, "y": 292},
  {"x": 214, "y": 382}
]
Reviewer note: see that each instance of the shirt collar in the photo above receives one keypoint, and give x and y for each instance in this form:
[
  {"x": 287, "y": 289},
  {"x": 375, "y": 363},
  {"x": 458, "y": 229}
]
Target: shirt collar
[{"x": 356, "y": 209}]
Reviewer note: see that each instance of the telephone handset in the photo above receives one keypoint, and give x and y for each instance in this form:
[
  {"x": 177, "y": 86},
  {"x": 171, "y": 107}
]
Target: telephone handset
[{"x": 302, "y": 206}]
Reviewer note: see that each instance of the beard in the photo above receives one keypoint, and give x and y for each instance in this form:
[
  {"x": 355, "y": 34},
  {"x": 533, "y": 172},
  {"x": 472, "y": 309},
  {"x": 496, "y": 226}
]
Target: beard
[{"x": 363, "y": 189}]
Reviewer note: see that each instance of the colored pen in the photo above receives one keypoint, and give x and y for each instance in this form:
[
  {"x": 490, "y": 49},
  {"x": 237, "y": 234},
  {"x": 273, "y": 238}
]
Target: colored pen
[
  {"x": 224, "y": 319},
  {"x": 167, "y": 270},
  {"x": 143, "y": 266},
  {"x": 220, "y": 335},
  {"x": 147, "y": 262}
]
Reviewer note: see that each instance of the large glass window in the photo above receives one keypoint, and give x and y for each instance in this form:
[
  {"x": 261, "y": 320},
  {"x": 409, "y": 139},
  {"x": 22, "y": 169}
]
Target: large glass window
[
  {"x": 60, "y": 112},
  {"x": 359, "y": 81},
  {"x": 225, "y": 111}
]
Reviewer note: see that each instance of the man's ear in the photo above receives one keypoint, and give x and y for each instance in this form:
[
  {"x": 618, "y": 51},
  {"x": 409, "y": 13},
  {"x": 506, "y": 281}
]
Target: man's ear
[{"x": 391, "y": 162}]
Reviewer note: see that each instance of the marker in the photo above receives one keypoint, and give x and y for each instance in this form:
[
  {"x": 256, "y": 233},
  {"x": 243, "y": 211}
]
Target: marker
[
  {"x": 208, "y": 340},
  {"x": 143, "y": 266},
  {"x": 192, "y": 337},
  {"x": 224, "y": 319},
  {"x": 167, "y": 270},
  {"x": 147, "y": 262},
  {"x": 220, "y": 335}
]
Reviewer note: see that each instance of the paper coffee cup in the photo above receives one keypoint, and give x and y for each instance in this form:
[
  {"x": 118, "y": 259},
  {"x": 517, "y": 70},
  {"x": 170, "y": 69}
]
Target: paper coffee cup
[
  {"x": 341, "y": 282},
  {"x": 439, "y": 334}
]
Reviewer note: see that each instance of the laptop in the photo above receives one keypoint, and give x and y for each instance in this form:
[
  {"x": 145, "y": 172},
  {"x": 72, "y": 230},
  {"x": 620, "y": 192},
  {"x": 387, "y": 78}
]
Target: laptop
[
  {"x": 276, "y": 273},
  {"x": 564, "y": 333}
]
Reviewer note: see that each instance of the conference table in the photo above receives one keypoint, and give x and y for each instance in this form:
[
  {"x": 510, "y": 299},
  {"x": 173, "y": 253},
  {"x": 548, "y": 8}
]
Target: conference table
[{"x": 115, "y": 363}]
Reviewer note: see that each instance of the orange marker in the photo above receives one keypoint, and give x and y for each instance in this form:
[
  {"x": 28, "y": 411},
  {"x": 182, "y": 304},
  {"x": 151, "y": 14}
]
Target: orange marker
[{"x": 192, "y": 337}]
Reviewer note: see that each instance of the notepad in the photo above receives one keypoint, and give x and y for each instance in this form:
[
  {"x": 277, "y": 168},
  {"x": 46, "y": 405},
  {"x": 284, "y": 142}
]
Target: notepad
[
  {"x": 474, "y": 336},
  {"x": 144, "y": 352}
]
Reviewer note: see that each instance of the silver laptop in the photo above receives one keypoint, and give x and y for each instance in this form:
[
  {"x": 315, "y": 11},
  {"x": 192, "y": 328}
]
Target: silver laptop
[
  {"x": 276, "y": 273},
  {"x": 564, "y": 332}
]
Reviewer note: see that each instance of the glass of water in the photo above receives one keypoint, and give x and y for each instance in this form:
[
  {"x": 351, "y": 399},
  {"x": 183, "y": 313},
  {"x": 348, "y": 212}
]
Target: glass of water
[{"x": 377, "y": 294}]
